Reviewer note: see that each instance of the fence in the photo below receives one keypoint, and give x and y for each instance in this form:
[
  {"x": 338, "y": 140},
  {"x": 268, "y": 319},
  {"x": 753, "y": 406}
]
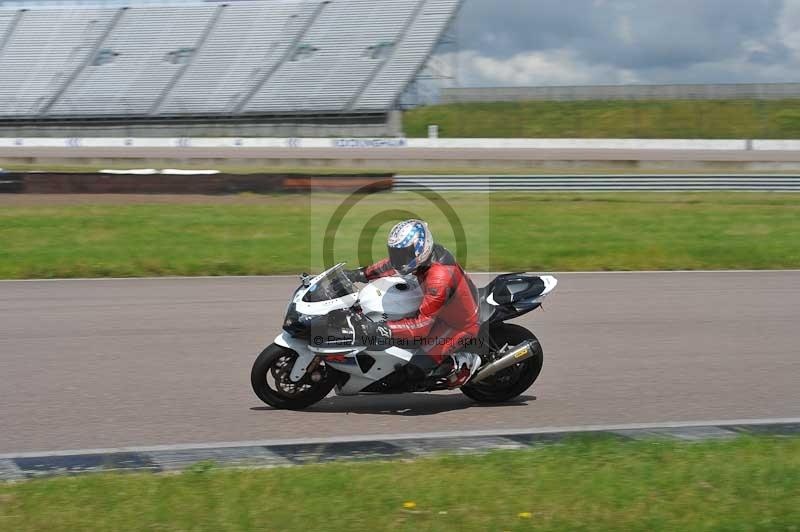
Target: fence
[{"x": 600, "y": 183}]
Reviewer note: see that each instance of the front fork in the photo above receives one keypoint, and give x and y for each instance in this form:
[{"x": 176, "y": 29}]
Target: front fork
[{"x": 306, "y": 360}]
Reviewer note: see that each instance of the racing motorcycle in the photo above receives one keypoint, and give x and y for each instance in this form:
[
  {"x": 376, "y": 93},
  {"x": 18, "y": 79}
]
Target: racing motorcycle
[{"x": 315, "y": 355}]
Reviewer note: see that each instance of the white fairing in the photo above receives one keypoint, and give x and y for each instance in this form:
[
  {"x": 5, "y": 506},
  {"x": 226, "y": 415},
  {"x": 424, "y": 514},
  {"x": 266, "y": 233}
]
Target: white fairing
[
  {"x": 386, "y": 363},
  {"x": 550, "y": 284},
  {"x": 390, "y": 298},
  {"x": 324, "y": 307}
]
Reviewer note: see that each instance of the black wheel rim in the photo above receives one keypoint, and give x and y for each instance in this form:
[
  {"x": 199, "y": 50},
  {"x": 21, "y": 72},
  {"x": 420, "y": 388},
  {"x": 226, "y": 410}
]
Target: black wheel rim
[{"x": 278, "y": 378}]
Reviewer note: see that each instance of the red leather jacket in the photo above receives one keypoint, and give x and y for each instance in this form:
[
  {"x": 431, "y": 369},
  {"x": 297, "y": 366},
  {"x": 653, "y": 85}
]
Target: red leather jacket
[{"x": 450, "y": 298}]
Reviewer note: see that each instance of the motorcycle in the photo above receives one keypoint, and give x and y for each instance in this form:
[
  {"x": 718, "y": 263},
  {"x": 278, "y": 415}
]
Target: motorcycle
[{"x": 315, "y": 355}]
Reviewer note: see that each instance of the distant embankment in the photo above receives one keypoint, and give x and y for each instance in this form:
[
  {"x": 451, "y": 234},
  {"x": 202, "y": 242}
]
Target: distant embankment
[
  {"x": 727, "y": 91},
  {"x": 506, "y": 116}
]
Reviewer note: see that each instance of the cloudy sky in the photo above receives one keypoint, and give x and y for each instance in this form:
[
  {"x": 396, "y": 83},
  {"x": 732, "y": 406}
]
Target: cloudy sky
[{"x": 576, "y": 42}]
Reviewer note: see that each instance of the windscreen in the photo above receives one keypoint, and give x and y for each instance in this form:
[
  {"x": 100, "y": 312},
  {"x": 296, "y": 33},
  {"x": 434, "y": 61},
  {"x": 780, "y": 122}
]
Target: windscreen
[{"x": 332, "y": 285}]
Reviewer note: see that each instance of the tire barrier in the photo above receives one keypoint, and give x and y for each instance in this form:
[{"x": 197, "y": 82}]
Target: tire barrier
[
  {"x": 178, "y": 182},
  {"x": 11, "y": 183}
]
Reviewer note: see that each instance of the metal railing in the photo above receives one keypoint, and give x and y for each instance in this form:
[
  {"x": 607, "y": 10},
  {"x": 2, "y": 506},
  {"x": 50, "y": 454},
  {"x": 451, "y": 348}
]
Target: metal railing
[{"x": 601, "y": 183}]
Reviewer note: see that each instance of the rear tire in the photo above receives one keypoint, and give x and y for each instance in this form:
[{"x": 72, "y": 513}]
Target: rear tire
[
  {"x": 514, "y": 381},
  {"x": 277, "y": 361}
]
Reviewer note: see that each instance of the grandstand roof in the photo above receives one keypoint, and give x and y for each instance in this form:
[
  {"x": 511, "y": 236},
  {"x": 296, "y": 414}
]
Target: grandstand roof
[{"x": 262, "y": 57}]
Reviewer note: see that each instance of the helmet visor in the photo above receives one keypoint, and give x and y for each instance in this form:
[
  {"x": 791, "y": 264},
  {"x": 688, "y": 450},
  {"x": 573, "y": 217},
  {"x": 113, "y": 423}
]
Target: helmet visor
[{"x": 404, "y": 260}]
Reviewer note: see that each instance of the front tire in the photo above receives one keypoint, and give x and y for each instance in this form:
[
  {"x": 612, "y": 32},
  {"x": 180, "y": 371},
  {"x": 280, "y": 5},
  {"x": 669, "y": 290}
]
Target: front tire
[
  {"x": 514, "y": 381},
  {"x": 278, "y": 391}
]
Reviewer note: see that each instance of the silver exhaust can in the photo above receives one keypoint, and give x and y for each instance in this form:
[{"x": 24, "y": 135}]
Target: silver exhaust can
[{"x": 515, "y": 355}]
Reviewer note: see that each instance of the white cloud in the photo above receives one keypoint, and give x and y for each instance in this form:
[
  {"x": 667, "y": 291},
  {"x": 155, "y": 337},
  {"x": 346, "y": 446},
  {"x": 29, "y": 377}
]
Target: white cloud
[
  {"x": 566, "y": 42},
  {"x": 551, "y": 67},
  {"x": 625, "y": 30},
  {"x": 789, "y": 25}
]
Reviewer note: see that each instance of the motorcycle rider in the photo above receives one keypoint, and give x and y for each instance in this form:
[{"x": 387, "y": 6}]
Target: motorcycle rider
[{"x": 447, "y": 319}]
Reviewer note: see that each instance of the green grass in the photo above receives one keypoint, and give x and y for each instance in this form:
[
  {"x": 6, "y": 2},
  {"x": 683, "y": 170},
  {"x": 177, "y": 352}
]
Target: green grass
[
  {"x": 702, "y": 119},
  {"x": 252, "y": 234},
  {"x": 746, "y": 484}
]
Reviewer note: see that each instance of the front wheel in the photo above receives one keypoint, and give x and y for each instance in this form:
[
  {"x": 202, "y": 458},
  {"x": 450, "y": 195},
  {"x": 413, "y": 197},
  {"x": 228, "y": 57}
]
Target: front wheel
[
  {"x": 272, "y": 384},
  {"x": 513, "y": 381}
]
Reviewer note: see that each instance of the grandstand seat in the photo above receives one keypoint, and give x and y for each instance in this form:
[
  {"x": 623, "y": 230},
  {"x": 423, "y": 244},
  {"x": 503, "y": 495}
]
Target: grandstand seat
[
  {"x": 261, "y": 57},
  {"x": 44, "y": 47},
  {"x": 140, "y": 71}
]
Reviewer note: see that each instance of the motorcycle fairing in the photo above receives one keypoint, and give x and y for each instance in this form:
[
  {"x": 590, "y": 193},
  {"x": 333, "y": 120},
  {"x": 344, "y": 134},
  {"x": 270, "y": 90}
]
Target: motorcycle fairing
[
  {"x": 324, "y": 307},
  {"x": 508, "y": 289},
  {"x": 510, "y": 296},
  {"x": 386, "y": 363},
  {"x": 305, "y": 355}
]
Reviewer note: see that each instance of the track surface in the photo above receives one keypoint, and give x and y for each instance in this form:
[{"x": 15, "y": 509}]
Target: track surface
[
  {"x": 89, "y": 364},
  {"x": 401, "y": 154}
]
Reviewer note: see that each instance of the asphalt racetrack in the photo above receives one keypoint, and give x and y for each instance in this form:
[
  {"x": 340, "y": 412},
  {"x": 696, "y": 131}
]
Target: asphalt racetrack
[{"x": 110, "y": 363}]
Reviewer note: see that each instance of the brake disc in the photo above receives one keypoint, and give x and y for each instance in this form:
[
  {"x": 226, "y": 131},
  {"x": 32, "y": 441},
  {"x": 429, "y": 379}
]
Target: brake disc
[{"x": 281, "y": 371}]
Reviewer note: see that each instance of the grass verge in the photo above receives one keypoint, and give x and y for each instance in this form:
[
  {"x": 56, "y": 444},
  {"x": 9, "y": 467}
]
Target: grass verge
[
  {"x": 700, "y": 119},
  {"x": 249, "y": 234},
  {"x": 745, "y": 484}
]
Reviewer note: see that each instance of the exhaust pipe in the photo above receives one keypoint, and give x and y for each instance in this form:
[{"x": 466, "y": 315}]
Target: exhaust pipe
[{"x": 517, "y": 354}]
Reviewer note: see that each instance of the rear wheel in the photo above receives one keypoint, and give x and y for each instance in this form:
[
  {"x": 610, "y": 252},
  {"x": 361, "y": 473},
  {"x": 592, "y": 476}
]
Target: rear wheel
[
  {"x": 513, "y": 381},
  {"x": 272, "y": 384}
]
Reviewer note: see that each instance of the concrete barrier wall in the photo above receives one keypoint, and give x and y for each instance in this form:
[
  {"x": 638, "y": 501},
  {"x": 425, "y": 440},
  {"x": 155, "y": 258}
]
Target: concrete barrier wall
[
  {"x": 388, "y": 143},
  {"x": 744, "y": 91},
  {"x": 777, "y": 145}
]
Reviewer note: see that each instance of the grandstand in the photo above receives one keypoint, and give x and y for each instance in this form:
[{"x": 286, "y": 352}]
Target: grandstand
[{"x": 259, "y": 62}]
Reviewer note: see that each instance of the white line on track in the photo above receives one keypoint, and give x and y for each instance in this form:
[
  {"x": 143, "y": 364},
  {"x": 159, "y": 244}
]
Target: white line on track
[{"x": 409, "y": 436}]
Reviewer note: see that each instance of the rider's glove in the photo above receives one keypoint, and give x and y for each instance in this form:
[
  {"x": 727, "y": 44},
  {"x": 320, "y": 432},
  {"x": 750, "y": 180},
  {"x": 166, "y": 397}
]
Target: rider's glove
[
  {"x": 346, "y": 328},
  {"x": 357, "y": 276},
  {"x": 376, "y": 335}
]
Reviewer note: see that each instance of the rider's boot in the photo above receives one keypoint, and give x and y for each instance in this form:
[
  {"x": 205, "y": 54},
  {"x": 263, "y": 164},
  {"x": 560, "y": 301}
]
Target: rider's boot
[
  {"x": 458, "y": 369},
  {"x": 455, "y": 370}
]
